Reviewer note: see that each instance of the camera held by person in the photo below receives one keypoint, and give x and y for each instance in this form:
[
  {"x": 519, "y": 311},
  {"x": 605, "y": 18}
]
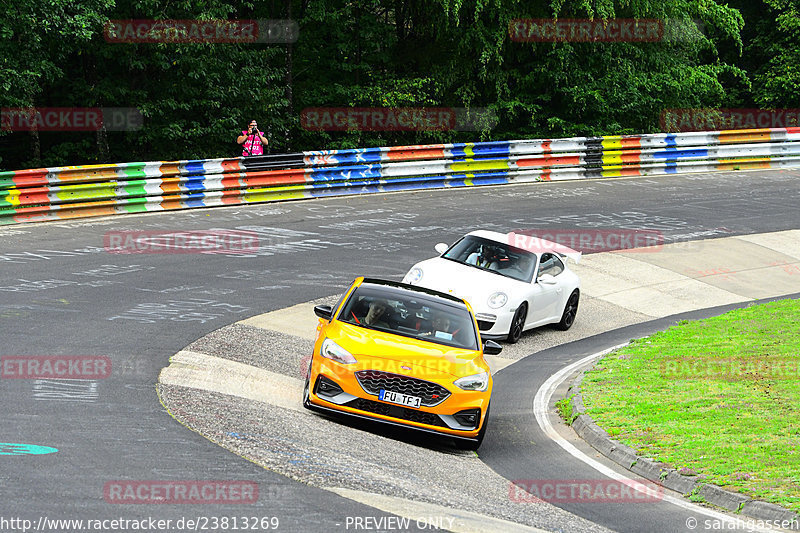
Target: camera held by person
[{"x": 252, "y": 140}]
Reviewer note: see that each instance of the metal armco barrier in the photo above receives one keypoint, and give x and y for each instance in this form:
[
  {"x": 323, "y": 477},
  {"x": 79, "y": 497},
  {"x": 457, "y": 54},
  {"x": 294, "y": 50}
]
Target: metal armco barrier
[{"x": 94, "y": 190}]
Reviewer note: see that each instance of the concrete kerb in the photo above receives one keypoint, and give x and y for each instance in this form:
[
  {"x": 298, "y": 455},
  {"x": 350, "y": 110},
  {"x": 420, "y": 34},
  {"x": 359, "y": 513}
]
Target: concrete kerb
[{"x": 690, "y": 486}]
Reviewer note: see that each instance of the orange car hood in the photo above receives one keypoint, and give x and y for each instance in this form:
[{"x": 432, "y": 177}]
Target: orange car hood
[{"x": 395, "y": 350}]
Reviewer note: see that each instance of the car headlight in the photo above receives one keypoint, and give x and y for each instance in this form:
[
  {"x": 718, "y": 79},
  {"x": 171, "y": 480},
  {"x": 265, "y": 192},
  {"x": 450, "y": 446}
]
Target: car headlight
[
  {"x": 413, "y": 276},
  {"x": 497, "y": 300},
  {"x": 331, "y": 350},
  {"x": 476, "y": 382}
]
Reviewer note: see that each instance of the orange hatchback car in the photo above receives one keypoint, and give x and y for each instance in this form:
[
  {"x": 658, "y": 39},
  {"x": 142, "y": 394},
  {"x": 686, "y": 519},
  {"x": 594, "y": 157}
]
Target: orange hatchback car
[{"x": 403, "y": 355}]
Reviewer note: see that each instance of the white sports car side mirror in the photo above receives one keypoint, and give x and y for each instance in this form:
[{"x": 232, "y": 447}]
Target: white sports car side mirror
[
  {"x": 547, "y": 279},
  {"x": 441, "y": 248}
]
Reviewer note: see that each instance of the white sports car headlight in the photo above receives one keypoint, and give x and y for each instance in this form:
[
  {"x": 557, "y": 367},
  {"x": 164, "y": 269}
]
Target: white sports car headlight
[
  {"x": 476, "y": 382},
  {"x": 331, "y": 350},
  {"x": 497, "y": 300},
  {"x": 413, "y": 276}
]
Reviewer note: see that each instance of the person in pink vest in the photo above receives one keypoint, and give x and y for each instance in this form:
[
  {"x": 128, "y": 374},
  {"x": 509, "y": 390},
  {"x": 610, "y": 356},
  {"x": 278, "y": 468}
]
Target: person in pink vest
[{"x": 252, "y": 140}]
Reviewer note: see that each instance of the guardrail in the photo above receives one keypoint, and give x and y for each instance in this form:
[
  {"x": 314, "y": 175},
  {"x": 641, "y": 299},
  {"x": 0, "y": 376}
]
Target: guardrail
[{"x": 95, "y": 190}]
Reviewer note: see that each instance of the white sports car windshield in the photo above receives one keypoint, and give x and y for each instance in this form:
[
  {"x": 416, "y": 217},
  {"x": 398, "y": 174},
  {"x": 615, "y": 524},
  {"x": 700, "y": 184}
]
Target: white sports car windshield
[{"x": 493, "y": 256}]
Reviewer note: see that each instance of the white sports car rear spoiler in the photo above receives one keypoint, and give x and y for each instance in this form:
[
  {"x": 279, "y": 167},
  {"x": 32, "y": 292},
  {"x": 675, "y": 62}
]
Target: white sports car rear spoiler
[{"x": 565, "y": 251}]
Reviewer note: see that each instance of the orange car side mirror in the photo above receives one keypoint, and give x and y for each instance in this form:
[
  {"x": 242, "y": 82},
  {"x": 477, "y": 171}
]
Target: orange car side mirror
[{"x": 324, "y": 311}]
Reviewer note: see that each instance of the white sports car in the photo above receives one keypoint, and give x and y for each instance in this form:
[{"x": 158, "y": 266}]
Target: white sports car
[{"x": 515, "y": 281}]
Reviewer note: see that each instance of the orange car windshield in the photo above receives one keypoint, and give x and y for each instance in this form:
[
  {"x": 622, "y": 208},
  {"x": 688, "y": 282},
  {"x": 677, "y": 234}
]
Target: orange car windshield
[{"x": 403, "y": 313}]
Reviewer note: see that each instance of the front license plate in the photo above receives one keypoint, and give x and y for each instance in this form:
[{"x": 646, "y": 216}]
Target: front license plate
[{"x": 400, "y": 399}]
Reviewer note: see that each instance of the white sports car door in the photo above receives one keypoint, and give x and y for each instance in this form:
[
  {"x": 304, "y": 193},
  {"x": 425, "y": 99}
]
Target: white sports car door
[
  {"x": 549, "y": 288},
  {"x": 545, "y": 302}
]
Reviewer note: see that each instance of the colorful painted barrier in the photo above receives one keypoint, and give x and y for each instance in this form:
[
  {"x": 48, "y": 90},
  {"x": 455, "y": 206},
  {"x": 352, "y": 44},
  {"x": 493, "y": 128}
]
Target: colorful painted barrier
[{"x": 95, "y": 190}]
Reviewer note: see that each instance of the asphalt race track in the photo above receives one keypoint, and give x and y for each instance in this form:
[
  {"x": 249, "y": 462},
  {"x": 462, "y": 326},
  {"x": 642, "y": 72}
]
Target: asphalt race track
[
  {"x": 519, "y": 450},
  {"x": 63, "y": 294}
]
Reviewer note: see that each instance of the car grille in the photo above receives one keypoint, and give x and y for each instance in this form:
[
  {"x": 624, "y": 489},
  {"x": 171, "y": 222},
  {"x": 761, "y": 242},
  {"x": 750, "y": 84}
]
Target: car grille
[
  {"x": 396, "y": 411},
  {"x": 373, "y": 381}
]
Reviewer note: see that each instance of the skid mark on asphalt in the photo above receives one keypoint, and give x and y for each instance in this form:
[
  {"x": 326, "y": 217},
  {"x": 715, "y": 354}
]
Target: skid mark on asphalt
[
  {"x": 277, "y": 433},
  {"x": 343, "y": 455}
]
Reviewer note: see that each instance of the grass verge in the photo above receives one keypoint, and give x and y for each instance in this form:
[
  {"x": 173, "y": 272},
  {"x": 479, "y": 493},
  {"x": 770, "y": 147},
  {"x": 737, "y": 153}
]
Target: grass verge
[
  {"x": 717, "y": 397},
  {"x": 564, "y": 407}
]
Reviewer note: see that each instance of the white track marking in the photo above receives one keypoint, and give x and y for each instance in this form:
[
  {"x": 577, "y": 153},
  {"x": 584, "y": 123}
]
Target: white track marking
[{"x": 540, "y": 409}]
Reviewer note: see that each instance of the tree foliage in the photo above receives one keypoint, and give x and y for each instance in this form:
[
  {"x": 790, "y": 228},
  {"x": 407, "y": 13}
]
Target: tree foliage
[
  {"x": 196, "y": 97},
  {"x": 774, "y": 51}
]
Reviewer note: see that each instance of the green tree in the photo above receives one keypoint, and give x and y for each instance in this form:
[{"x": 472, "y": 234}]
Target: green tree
[
  {"x": 587, "y": 88},
  {"x": 195, "y": 97},
  {"x": 36, "y": 38},
  {"x": 773, "y": 53}
]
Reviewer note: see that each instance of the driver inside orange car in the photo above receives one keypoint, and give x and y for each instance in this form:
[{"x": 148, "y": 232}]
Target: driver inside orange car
[
  {"x": 376, "y": 315},
  {"x": 440, "y": 327}
]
